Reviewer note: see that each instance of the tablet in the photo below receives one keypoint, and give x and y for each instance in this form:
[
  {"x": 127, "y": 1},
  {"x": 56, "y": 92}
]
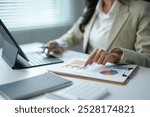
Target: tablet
[{"x": 17, "y": 59}]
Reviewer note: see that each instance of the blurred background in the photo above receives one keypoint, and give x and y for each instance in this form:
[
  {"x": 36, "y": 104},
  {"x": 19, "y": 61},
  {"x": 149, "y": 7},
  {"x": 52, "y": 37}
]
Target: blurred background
[{"x": 39, "y": 20}]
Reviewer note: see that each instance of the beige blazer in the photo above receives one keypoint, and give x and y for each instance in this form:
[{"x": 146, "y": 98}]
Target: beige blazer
[{"x": 130, "y": 32}]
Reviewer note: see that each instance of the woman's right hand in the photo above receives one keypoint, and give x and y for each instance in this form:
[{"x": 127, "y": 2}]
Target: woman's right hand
[{"x": 54, "y": 46}]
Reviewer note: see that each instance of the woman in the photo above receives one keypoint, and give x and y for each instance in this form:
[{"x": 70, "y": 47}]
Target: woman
[{"x": 117, "y": 31}]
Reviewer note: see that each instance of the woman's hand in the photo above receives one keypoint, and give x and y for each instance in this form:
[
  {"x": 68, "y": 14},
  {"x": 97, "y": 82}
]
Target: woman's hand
[
  {"x": 53, "y": 46},
  {"x": 101, "y": 56}
]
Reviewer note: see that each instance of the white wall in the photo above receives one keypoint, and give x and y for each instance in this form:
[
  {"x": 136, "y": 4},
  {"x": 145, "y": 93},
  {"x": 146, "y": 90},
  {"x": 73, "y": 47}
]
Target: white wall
[{"x": 45, "y": 34}]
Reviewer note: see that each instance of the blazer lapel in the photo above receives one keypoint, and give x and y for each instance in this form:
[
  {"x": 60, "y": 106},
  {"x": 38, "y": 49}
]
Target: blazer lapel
[
  {"x": 122, "y": 15},
  {"x": 87, "y": 32}
]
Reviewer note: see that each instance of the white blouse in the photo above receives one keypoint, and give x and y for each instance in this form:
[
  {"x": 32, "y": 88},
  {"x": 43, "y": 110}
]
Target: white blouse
[{"x": 98, "y": 37}]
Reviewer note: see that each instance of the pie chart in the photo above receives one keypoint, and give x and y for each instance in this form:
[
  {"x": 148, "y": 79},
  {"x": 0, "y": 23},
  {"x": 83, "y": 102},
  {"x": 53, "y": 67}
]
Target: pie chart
[{"x": 109, "y": 72}]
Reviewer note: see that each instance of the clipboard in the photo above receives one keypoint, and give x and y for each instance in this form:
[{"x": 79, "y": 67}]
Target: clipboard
[{"x": 110, "y": 73}]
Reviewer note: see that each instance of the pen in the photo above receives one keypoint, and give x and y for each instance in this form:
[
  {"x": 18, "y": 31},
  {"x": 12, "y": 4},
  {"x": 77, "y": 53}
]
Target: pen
[
  {"x": 59, "y": 46},
  {"x": 46, "y": 47}
]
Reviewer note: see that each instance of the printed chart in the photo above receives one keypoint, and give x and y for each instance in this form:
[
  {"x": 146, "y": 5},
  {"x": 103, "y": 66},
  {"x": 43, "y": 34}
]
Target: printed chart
[{"x": 109, "y": 72}]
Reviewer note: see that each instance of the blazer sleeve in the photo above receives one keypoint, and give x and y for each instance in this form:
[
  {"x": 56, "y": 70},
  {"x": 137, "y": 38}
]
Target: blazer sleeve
[
  {"x": 141, "y": 55},
  {"x": 73, "y": 37}
]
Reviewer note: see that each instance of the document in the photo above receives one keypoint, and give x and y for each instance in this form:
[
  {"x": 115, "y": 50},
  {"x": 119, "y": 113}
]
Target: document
[{"x": 108, "y": 73}]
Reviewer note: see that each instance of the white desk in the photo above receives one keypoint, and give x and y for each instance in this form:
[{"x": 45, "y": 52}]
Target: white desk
[{"x": 137, "y": 88}]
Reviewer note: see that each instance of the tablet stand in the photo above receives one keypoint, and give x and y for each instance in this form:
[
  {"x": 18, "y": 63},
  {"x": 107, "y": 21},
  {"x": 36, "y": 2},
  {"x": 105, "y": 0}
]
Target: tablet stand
[{"x": 9, "y": 54}]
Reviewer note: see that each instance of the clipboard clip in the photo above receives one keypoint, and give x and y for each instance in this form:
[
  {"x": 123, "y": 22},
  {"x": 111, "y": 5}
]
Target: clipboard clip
[{"x": 126, "y": 71}]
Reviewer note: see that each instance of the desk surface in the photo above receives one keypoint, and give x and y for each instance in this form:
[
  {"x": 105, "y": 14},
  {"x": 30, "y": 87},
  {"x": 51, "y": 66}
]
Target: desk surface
[{"x": 137, "y": 88}]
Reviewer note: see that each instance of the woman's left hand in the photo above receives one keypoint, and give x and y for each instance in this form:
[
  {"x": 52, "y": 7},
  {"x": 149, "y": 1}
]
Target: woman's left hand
[{"x": 101, "y": 56}]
